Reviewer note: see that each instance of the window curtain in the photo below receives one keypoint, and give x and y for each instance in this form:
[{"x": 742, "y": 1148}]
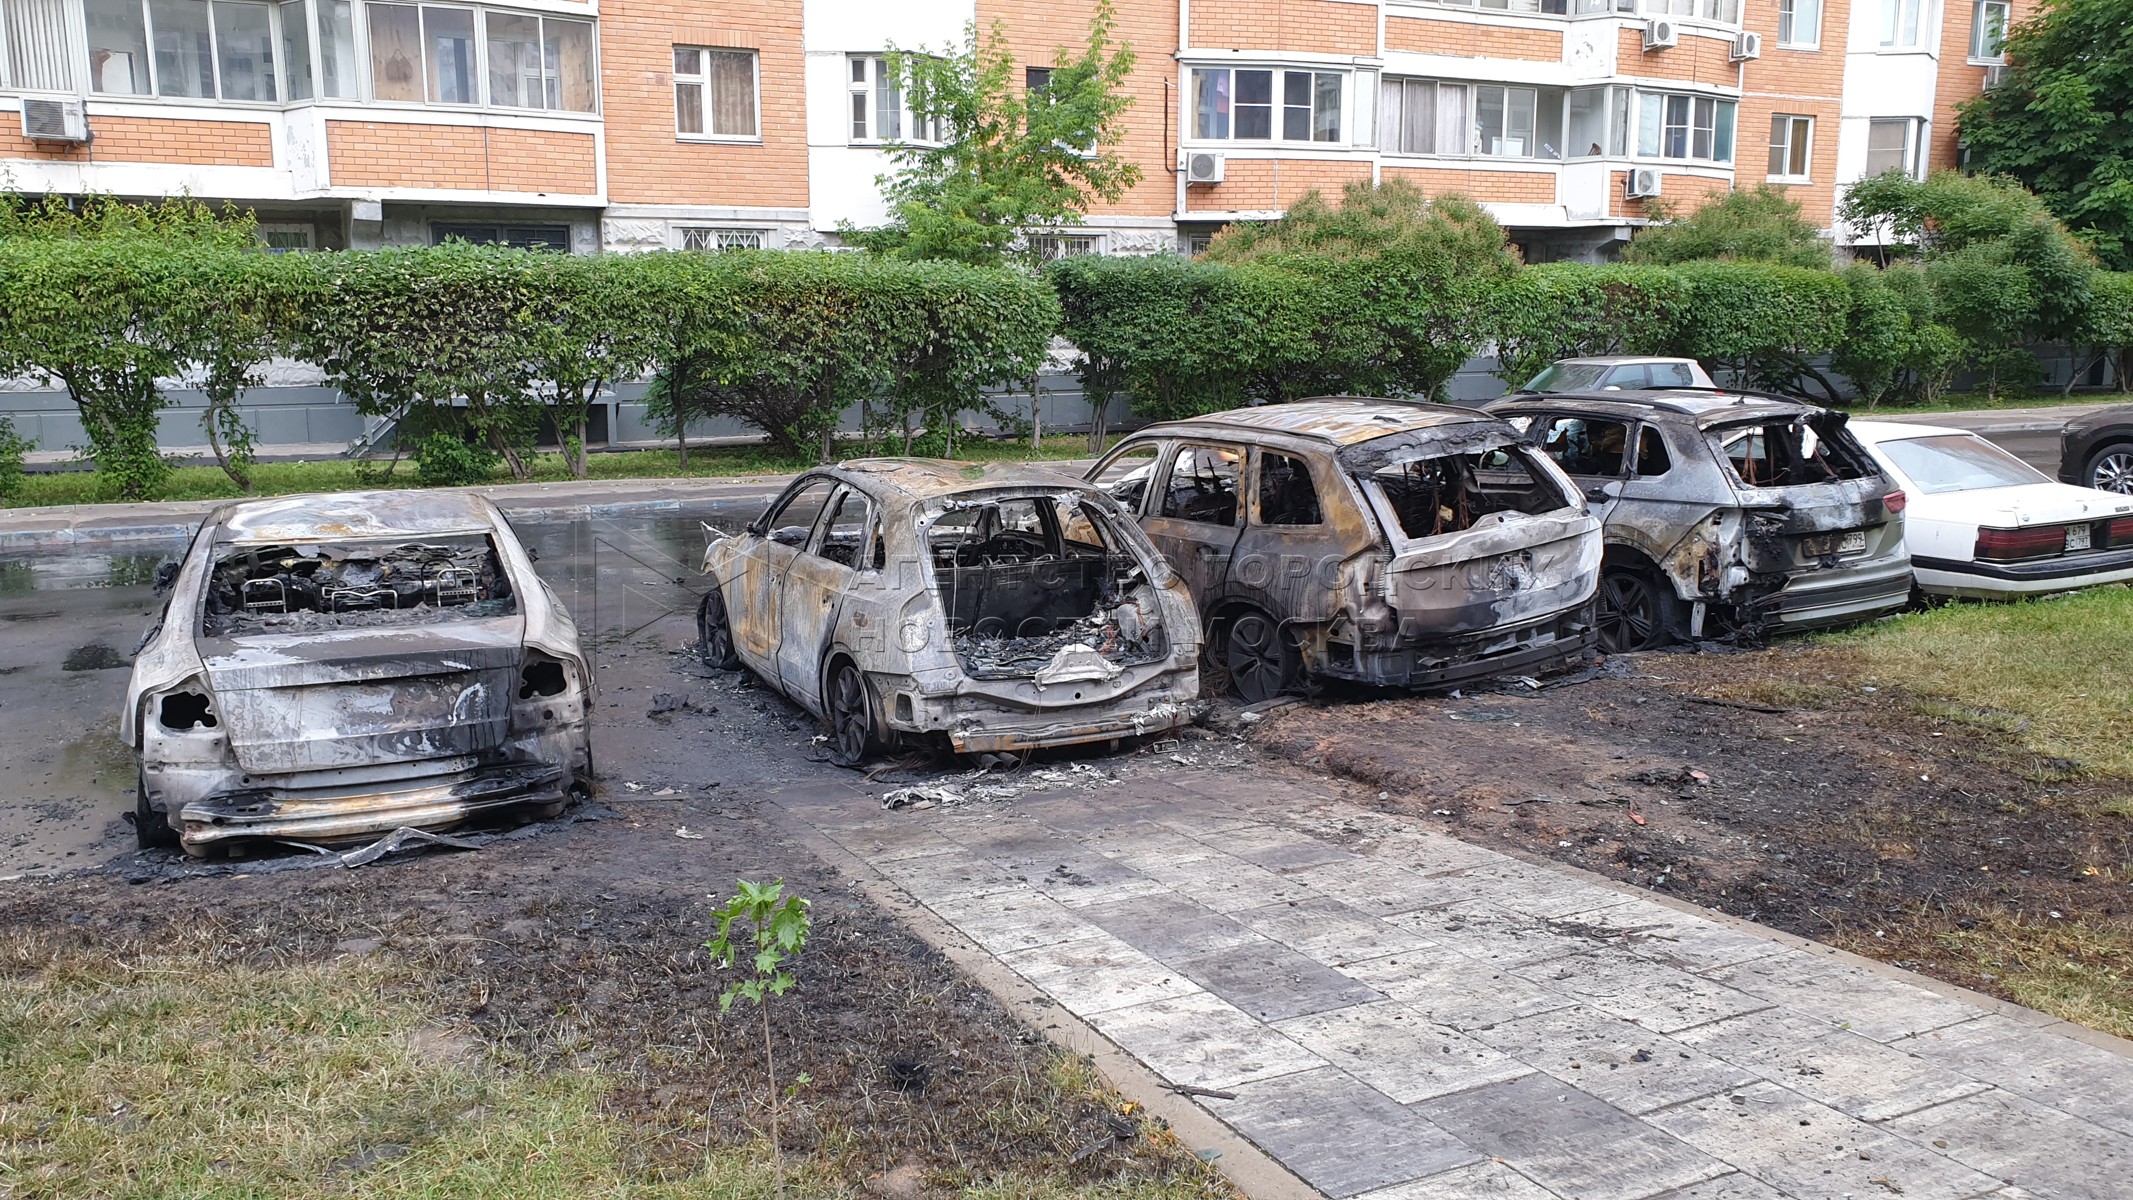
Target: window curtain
[{"x": 733, "y": 94}]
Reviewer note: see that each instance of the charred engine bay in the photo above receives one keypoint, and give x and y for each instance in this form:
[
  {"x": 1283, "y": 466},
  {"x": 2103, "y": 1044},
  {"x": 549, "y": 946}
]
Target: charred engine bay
[{"x": 316, "y": 586}]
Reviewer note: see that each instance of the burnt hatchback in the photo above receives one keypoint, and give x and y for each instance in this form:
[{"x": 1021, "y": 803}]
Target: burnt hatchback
[
  {"x": 999, "y": 609},
  {"x": 1412, "y": 545},
  {"x": 1725, "y": 511},
  {"x": 341, "y": 666}
]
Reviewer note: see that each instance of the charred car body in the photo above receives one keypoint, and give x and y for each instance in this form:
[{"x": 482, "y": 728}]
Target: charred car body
[
  {"x": 334, "y": 667},
  {"x": 1004, "y": 609},
  {"x": 1367, "y": 540},
  {"x": 1725, "y": 511}
]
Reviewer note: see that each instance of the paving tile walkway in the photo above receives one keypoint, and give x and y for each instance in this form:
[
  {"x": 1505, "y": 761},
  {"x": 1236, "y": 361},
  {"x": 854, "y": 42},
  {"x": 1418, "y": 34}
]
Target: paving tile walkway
[{"x": 1399, "y": 1015}]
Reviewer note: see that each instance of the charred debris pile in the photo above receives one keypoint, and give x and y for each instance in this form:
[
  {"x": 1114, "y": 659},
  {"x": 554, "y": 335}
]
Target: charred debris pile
[{"x": 314, "y": 586}]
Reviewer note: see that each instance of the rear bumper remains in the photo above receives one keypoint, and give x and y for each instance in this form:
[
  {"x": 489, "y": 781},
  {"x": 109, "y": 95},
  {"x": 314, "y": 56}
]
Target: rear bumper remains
[
  {"x": 1518, "y": 650},
  {"x": 1004, "y": 735},
  {"x": 1814, "y": 599},
  {"x": 333, "y": 815}
]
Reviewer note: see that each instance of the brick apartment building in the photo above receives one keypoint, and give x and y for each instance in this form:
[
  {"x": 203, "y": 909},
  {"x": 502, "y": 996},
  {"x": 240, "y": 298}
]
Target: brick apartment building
[{"x": 625, "y": 124}]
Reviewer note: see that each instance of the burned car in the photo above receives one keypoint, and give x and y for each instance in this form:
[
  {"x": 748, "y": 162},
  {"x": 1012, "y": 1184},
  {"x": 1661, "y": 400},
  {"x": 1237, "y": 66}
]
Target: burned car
[
  {"x": 335, "y": 667},
  {"x": 1725, "y": 511},
  {"x": 1368, "y": 540},
  {"x": 996, "y": 610}
]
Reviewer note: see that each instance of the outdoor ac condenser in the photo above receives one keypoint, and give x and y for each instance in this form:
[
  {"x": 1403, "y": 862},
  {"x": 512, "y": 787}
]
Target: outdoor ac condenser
[
  {"x": 1202, "y": 167},
  {"x": 1746, "y": 45},
  {"x": 1643, "y": 183},
  {"x": 1660, "y": 35},
  {"x": 48, "y": 120}
]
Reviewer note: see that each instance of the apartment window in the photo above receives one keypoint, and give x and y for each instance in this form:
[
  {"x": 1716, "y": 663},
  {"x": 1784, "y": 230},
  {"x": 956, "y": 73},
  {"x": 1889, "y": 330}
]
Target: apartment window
[
  {"x": 340, "y": 72},
  {"x": 1685, "y": 127},
  {"x": 1047, "y": 247},
  {"x": 1037, "y": 80},
  {"x": 281, "y": 237},
  {"x": 34, "y": 33},
  {"x": 1598, "y": 122},
  {"x": 1891, "y": 146},
  {"x": 714, "y": 93},
  {"x": 186, "y": 49},
  {"x": 518, "y": 237},
  {"x": 1988, "y": 31},
  {"x": 1800, "y": 23},
  {"x": 1423, "y": 116},
  {"x": 880, "y": 111},
  {"x": 723, "y": 239},
  {"x": 1245, "y": 105},
  {"x": 541, "y": 62},
  {"x": 1791, "y": 147},
  {"x": 1725, "y": 12},
  {"x": 1903, "y": 23}
]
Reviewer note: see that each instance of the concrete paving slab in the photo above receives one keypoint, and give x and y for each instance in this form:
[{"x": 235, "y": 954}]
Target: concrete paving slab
[
  {"x": 1342, "y": 1138},
  {"x": 2040, "y": 1149},
  {"x": 1618, "y": 1060},
  {"x": 889, "y": 842},
  {"x": 1668, "y": 935},
  {"x": 1201, "y": 1040},
  {"x": 1881, "y": 1008},
  {"x": 1737, "y": 1186},
  {"x": 1008, "y": 921},
  {"x": 1660, "y": 998},
  {"x": 1814, "y": 1152},
  {"x": 1569, "y": 1141},
  {"x": 1481, "y": 1181},
  {"x": 1170, "y": 927},
  {"x": 1223, "y": 883},
  {"x": 1400, "y": 1052},
  {"x": 1489, "y": 933},
  {"x": 1452, "y": 989},
  {"x": 1533, "y": 891},
  {"x": 1086, "y": 877},
  {"x": 1329, "y": 931},
  {"x": 1096, "y": 975},
  {"x": 1380, "y": 889},
  {"x": 1272, "y": 982},
  {"x": 952, "y": 875},
  {"x": 1853, "y": 1074},
  {"x": 2055, "y": 1070},
  {"x": 1277, "y": 850}
]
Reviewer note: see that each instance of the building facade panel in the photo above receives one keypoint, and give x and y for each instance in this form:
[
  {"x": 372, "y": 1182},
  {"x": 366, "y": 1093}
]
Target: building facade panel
[
  {"x": 1699, "y": 58},
  {"x": 1507, "y": 187},
  {"x": 1308, "y": 26},
  {"x": 392, "y": 154},
  {"x": 1464, "y": 37},
  {"x": 1800, "y": 75},
  {"x": 153, "y": 140},
  {"x": 1261, "y": 185}
]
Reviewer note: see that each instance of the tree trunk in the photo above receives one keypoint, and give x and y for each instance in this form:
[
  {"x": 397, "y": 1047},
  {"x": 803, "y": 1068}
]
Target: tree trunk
[
  {"x": 770, "y": 1067},
  {"x": 907, "y": 433}
]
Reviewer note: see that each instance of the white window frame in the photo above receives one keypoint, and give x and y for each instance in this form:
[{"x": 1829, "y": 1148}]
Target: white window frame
[
  {"x": 714, "y": 238},
  {"x": 62, "y": 53},
  {"x": 702, "y": 80},
  {"x": 1054, "y": 245},
  {"x": 1791, "y": 122},
  {"x": 1690, "y": 125},
  {"x": 1914, "y": 140},
  {"x": 1277, "y": 106},
  {"x": 1715, "y": 12},
  {"x": 1789, "y": 14},
  {"x": 1916, "y": 15},
  {"x": 1978, "y": 12},
  {"x": 870, "y": 86}
]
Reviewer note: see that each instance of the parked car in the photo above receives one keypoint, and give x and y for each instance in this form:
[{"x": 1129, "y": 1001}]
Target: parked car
[
  {"x": 1982, "y": 523},
  {"x": 339, "y": 666},
  {"x": 1000, "y": 610},
  {"x": 2096, "y": 451},
  {"x": 1724, "y": 511},
  {"x": 1367, "y": 540},
  {"x": 1617, "y": 373}
]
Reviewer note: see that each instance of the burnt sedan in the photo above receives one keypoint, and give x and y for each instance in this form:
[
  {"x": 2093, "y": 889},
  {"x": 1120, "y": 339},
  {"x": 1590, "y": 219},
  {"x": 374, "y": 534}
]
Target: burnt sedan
[
  {"x": 1366, "y": 540},
  {"x": 1726, "y": 512},
  {"x": 994, "y": 610},
  {"x": 335, "y": 667}
]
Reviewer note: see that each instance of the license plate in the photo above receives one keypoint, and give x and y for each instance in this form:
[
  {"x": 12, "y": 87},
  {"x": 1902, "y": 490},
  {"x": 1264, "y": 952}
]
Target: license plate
[
  {"x": 1852, "y": 543},
  {"x": 2077, "y": 537}
]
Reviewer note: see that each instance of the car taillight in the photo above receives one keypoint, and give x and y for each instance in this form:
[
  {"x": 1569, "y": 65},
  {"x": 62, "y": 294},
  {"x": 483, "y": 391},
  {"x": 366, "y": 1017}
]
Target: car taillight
[
  {"x": 1894, "y": 501},
  {"x": 2021, "y": 543},
  {"x": 2119, "y": 532}
]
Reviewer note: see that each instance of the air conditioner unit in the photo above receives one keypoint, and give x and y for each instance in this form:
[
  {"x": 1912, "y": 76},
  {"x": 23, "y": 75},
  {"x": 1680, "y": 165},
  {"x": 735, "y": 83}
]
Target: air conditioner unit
[
  {"x": 1202, "y": 167},
  {"x": 1643, "y": 183},
  {"x": 1746, "y": 46},
  {"x": 46, "y": 120},
  {"x": 1994, "y": 77},
  {"x": 1661, "y": 35}
]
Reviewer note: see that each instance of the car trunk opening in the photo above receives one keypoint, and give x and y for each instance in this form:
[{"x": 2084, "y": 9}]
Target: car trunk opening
[
  {"x": 1813, "y": 496},
  {"x": 1042, "y": 587},
  {"x": 317, "y": 586}
]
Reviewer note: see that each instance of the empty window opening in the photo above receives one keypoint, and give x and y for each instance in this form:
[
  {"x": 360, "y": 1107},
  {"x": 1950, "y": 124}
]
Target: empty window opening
[
  {"x": 1436, "y": 496},
  {"x": 1286, "y": 494},
  {"x": 319, "y": 586},
  {"x": 1203, "y": 485},
  {"x": 1787, "y": 454}
]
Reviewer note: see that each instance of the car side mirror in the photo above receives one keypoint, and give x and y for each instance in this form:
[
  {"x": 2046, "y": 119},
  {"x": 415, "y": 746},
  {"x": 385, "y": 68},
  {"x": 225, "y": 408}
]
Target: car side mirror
[
  {"x": 166, "y": 575},
  {"x": 532, "y": 555},
  {"x": 789, "y": 535},
  {"x": 1600, "y": 493}
]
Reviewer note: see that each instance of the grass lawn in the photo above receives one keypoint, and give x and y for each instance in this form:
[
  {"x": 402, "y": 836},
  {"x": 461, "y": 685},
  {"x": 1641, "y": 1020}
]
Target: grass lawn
[
  {"x": 1972, "y": 401},
  {"x": 337, "y": 475}
]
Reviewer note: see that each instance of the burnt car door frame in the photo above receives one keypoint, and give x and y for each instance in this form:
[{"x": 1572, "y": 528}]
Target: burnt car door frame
[
  {"x": 754, "y": 612},
  {"x": 812, "y": 593},
  {"x": 1202, "y": 554}
]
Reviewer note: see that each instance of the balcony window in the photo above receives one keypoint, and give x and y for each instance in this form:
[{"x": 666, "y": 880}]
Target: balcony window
[
  {"x": 34, "y": 33},
  {"x": 880, "y": 111},
  {"x": 1903, "y": 24},
  {"x": 1988, "y": 31},
  {"x": 184, "y": 43},
  {"x": 1598, "y": 122},
  {"x": 540, "y": 62},
  {"x": 1423, "y": 116},
  {"x": 244, "y": 51},
  {"x": 1891, "y": 145},
  {"x": 296, "y": 48},
  {"x": 340, "y": 72},
  {"x": 1723, "y": 12},
  {"x": 1791, "y": 147},
  {"x": 1242, "y": 104},
  {"x": 1698, "y": 128},
  {"x": 1800, "y": 23}
]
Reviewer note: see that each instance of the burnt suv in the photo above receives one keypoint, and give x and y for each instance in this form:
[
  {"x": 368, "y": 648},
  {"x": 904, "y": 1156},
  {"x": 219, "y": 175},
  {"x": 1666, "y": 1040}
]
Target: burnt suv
[
  {"x": 1366, "y": 540},
  {"x": 1725, "y": 512}
]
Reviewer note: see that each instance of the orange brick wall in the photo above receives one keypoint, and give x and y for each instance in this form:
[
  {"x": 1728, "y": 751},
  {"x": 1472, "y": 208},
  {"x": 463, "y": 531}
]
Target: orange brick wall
[
  {"x": 1958, "y": 81},
  {"x": 1681, "y": 194},
  {"x": 1315, "y": 26},
  {"x": 646, "y": 162},
  {"x": 1695, "y": 60},
  {"x": 1802, "y": 82},
  {"x": 1037, "y": 30},
  {"x": 1470, "y": 40},
  {"x": 1509, "y": 187},
  {"x": 470, "y": 158},
  {"x": 1260, "y": 184},
  {"x": 152, "y": 140}
]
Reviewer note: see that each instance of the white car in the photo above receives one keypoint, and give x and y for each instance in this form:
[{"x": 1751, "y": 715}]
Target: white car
[{"x": 1984, "y": 524}]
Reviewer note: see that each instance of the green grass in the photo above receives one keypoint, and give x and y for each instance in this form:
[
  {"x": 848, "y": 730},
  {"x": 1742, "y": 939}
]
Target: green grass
[
  {"x": 1973, "y": 401},
  {"x": 336, "y": 475},
  {"x": 176, "y": 1072}
]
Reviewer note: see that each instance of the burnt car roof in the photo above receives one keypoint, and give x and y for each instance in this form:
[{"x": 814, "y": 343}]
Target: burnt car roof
[
  {"x": 1334, "y": 420},
  {"x": 924, "y": 478},
  {"x": 334, "y": 516},
  {"x": 1705, "y": 406}
]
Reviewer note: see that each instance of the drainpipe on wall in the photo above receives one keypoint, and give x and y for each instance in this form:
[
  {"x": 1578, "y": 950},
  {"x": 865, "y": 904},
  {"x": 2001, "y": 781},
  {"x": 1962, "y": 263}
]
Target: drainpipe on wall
[{"x": 1170, "y": 130}]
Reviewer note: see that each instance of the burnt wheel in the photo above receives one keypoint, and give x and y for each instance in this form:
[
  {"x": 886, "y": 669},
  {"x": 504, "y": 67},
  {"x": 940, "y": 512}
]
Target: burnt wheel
[
  {"x": 851, "y": 716},
  {"x": 714, "y": 637},
  {"x": 1636, "y": 611},
  {"x": 1261, "y": 662},
  {"x": 151, "y": 825},
  {"x": 2111, "y": 469}
]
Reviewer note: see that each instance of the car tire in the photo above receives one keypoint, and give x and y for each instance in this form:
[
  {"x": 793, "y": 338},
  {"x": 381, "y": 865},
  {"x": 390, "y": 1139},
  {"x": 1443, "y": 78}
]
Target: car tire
[
  {"x": 2110, "y": 469},
  {"x": 851, "y": 715},
  {"x": 1262, "y": 663},
  {"x": 1636, "y": 611},
  {"x": 714, "y": 635},
  {"x": 151, "y": 825}
]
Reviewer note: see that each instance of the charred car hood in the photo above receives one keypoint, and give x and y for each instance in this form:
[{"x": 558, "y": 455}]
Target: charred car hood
[{"x": 363, "y": 696}]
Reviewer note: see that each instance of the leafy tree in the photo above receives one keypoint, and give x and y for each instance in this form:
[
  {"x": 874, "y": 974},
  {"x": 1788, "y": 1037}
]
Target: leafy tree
[
  {"x": 1762, "y": 224},
  {"x": 1010, "y": 163},
  {"x": 2062, "y": 123},
  {"x": 14, "y": 448},
  {"x": 594, "y": 325},
  {"x": 237, "y": 305},
  {"x": 778, "y": 926}
]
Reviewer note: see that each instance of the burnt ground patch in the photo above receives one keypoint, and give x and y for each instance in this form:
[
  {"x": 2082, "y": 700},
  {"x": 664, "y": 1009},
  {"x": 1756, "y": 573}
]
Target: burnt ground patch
[{"x": 1778, "y": 787}]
